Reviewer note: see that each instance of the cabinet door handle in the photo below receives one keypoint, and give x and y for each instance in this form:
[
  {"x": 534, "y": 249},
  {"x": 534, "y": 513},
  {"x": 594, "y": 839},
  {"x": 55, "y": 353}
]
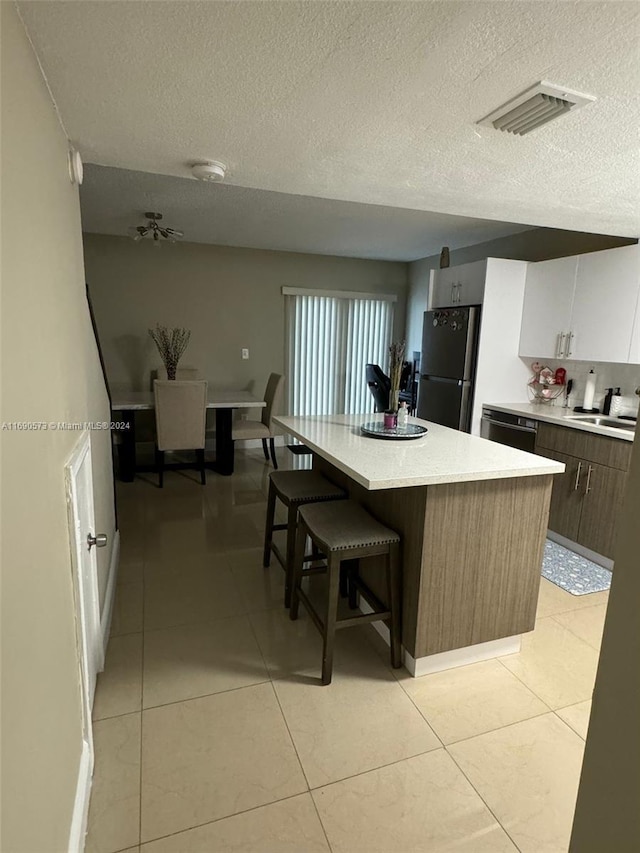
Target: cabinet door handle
[
  {"x": 577, "y": 483},
  {"x": 588, "y": 486},
  {"x": 568, "y": 347},
  {"x": 458, "y": 286},
  {"x": 453, "y": 292},
  {"x": 560, "y": 344}
]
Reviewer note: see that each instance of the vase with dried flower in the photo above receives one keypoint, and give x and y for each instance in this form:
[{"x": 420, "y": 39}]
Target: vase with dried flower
[
  {"x": 171, "y": 345},
  {"x": 396, "y": 362}
]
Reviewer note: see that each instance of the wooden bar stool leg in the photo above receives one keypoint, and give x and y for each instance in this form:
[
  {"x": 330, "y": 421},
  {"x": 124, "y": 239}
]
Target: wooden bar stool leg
[
  {"x": 292, "y": 518},
  {"x": 393, "y": 567},
  {"x": 333, "y": 571},
  {"x": 268, "y": 527},
  {"x": 352, "y": 573},
  {"x": 298, "y": 568},
  {"x": 264, "y": 449}
]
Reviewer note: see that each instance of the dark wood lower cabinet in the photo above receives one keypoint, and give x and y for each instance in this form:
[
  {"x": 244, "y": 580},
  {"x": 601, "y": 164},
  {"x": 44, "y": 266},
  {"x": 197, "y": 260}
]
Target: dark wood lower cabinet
[
  {"x": 587, "y": 498},
  {"x": 566, "y": 498},
  {"x": 603, "y": 496}
]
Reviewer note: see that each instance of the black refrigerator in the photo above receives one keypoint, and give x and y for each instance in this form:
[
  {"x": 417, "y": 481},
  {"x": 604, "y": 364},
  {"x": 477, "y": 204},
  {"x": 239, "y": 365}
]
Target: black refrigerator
[{"x": 447, "y": 366}]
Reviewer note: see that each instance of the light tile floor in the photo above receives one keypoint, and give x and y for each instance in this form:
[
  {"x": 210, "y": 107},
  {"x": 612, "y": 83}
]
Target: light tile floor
[{"x": 213, "y": 734}]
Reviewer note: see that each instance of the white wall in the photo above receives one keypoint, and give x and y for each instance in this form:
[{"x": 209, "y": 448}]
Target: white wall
[
  {"x": 50, "y": 372},
  {"x": 230, "y": 298}
]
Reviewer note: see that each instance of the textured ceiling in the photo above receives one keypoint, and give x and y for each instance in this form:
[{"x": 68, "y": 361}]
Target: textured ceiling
[
  {"x": 114, "y": 200},
  {"x": 372, "y": 102}
]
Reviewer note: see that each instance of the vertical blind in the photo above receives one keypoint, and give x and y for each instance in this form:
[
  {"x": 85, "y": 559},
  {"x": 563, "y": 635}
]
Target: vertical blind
[{"x": 330, "y": 339}]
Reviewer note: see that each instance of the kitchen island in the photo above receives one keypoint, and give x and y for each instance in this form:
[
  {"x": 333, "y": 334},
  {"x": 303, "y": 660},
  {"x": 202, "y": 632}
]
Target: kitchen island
[{"x": 472, "y": 515}]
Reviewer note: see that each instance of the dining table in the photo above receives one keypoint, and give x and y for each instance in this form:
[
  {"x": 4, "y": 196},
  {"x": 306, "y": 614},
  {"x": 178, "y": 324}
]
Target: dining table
[{"x": 127, "y": 403}]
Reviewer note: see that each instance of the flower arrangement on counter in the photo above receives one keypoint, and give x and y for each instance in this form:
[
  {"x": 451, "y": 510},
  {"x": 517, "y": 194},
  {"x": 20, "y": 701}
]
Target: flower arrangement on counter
[
  {"x": 396, "y": 362},
  {"x": 171, "y": 345},
  {"x": 546, "y": 384}
]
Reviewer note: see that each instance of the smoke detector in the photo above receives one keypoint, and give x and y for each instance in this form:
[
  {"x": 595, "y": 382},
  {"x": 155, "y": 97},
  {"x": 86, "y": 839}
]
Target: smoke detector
[
  {"x": 210, "y": 171},
  {"x": 534, "y": 107}
]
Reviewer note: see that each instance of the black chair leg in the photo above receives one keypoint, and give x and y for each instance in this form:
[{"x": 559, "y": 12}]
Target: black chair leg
[
  {"x": 200, "y": 459},
  {"x": 264, "y": 449},
  {"x": 272, "y": 447},
  {"x": 268, "y": 527},
  {"x": 160, "y": 467}
]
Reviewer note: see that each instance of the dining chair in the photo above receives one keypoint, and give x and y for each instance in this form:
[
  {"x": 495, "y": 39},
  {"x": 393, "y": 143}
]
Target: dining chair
[
  {"x": 244, "y": 430},
  {"x": 181, "y": 407},
  {"x": 379, "y": 385},
  {"x": 187, "y": 373}
]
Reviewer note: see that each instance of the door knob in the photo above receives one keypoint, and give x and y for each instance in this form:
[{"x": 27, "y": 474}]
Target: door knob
[{"x": 99, "y": 540}]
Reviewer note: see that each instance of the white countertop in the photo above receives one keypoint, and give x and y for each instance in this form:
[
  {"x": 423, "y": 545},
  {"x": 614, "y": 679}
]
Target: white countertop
[
  {"x": 561, "y": 417},
  {"x": 443, "y": 455}
]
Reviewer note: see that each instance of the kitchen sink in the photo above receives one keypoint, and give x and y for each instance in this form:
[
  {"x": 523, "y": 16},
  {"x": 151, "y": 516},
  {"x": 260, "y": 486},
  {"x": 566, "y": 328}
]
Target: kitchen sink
[{"x": 600, "y": 420}]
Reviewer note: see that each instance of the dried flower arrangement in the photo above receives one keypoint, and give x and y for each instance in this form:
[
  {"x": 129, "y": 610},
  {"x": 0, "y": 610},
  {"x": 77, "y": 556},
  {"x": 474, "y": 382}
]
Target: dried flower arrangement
[
  {"x": 171, "y": 345},
  {"x": 396, "y": 362}
]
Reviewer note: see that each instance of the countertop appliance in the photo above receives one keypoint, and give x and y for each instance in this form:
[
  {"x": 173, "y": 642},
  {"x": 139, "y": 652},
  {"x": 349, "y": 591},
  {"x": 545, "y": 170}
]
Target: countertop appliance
[
  {"x": 447, "y": 366},
  {"x": 513, "y": 430}
]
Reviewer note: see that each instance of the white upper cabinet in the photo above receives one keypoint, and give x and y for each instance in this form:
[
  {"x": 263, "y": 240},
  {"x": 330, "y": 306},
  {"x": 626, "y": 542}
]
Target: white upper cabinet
[
  {"x": 462, "y": 285},
  {"x": 634, "y": 351},
  {"x": 604, "y": 304},
  {"x": 583, "y": 307},
  {"x": 546, "y": 317}
]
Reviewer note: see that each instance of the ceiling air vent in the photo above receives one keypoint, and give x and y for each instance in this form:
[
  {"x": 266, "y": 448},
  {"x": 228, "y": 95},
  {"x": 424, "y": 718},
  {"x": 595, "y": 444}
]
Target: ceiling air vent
[{"x": 535, "y": 107}]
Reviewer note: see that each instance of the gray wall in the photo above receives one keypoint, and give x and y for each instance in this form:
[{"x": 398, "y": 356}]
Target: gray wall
[
  {"x": 230, "y": 298},
  {"x": 607, "y": 815},
  {"x": 50, "y": 372},
  {"x": 537, "y": 244}
]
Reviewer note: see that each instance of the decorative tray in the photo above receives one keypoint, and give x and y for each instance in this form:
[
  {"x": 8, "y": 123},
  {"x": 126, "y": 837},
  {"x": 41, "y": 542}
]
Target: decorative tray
[{"x": 377, "y": 429}]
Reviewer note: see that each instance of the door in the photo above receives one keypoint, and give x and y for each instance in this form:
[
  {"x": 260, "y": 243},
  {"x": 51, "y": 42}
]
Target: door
[
  {"x": 566, "y": 497},
  {"x": 603, "y": 494},
  {"x": 449, "y": 343},
  {"x": 445, "y": 402},
  {"x": 604, "y": 304},
  {"x": 546, "y": 313},
  {"x": 79, "y": 486}
]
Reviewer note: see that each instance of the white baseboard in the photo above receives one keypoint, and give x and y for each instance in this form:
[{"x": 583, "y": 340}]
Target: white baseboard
[
  {"x": 81, "y": 803},
  {"x": 462, "y": 657},
  {"x": 605, "y": 562},
  {"x": 110, "y": 594}
]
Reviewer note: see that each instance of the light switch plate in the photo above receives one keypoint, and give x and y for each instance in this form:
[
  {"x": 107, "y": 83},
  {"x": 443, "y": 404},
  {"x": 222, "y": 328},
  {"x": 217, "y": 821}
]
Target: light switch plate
[{"x": 245, "y": 353}]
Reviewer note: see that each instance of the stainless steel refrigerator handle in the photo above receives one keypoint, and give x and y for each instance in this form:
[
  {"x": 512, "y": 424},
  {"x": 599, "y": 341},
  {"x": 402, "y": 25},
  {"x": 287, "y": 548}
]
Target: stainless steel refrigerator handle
[
  {"x": 509, "y": 426},
  {"x": 577, "y": 483}
]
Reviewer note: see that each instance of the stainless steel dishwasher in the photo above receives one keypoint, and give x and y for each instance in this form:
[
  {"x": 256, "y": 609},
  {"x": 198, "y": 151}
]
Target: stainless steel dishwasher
[{"x": 505, "y": 428}]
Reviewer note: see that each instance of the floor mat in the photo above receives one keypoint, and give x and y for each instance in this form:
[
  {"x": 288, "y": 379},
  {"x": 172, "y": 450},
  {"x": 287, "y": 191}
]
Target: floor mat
[{"x": 573, "y": 573}]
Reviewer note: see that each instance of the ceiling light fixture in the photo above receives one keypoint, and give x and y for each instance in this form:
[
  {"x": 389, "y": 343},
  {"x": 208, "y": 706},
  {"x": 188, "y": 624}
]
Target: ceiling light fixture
[
  {"x": 534, "y": 107},
  {"x": 209, "y": 171},
  {"x": 158, "y": 233}
]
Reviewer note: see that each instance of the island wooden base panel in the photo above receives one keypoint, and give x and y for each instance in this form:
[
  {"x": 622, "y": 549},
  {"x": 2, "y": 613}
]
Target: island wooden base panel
[
  {"x": 472, "y": 556},
  {"x": 455, "y": 657}
]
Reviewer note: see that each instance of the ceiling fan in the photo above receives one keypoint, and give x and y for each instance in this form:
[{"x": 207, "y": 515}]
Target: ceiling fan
[{"x": 156, "y": 232}]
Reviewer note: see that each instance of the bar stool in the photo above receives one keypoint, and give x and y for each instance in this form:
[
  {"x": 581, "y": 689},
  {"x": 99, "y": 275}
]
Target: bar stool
[
  {"x": 294, "y": 489},
  {"x": 346, "y": 531}
]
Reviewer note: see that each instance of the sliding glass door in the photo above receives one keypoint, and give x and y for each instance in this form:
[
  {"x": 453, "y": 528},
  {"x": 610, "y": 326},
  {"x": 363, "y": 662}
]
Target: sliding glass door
[{"x": 330, "y": 339}]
